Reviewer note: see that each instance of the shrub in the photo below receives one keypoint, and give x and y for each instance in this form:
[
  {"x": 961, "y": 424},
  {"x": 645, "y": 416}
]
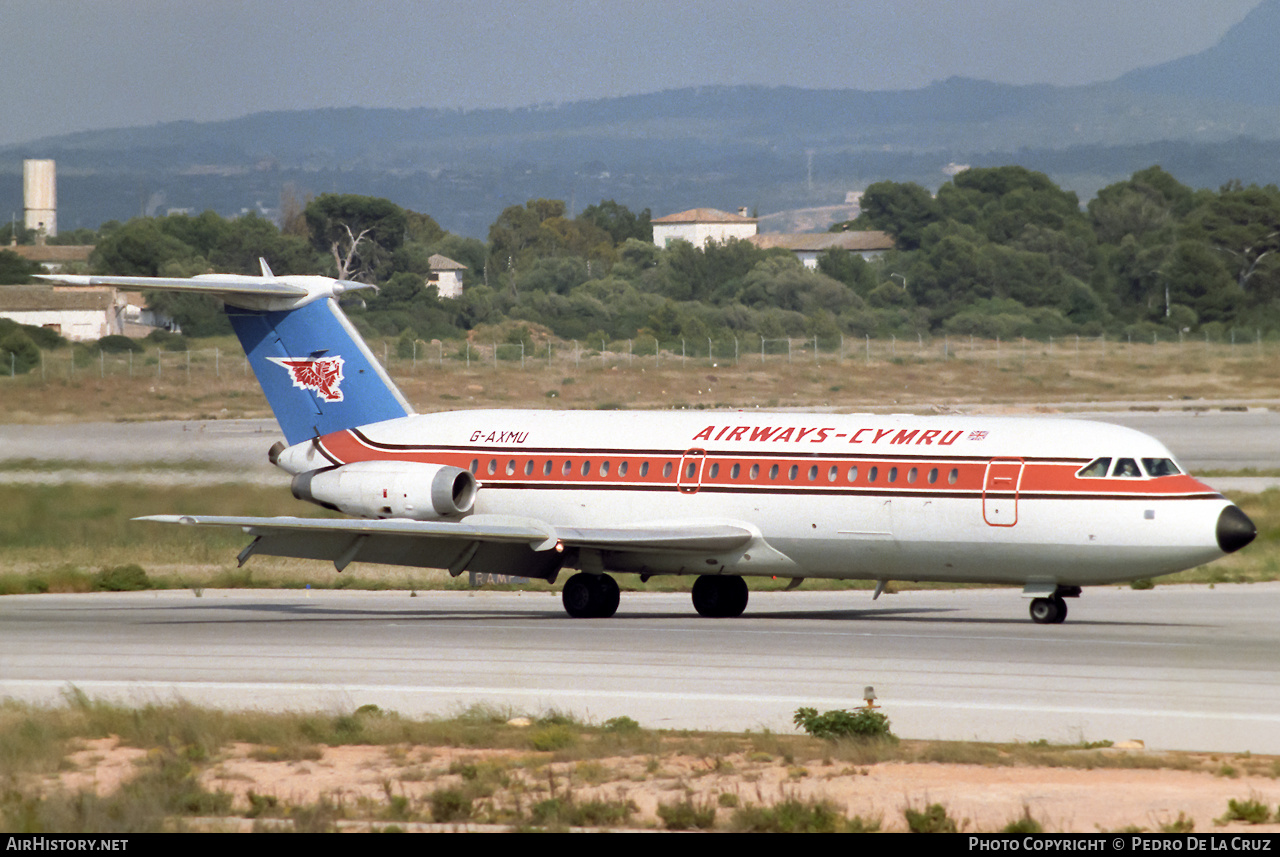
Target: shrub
[
  {"x": 1025, "y": 824},
  {"x": 596, "y": 813},
  {"x": 933, "y": 819},
  {"x": 449, "y": 805},
  {"x": 788, "y": 816},
  {"x": 122, "y": 578},
  {"x": 863, "y": 724},
  {"x": 687, "y": 816},
  {"x": 621, "y": 724},
  {"x": 554, "y": 737},
  {"x": 116, "y": 344},
  {"x": 1251, "y": 811},
  {"x": 18, "y": 354}
]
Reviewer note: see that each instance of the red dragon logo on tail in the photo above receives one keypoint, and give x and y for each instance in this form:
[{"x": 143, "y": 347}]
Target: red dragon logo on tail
[{"x": 321, "y": 374}]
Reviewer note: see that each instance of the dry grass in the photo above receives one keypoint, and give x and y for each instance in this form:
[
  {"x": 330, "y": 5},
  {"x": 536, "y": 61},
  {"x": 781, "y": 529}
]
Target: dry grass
[
  {"x": 88, "y": 766},
  {"x": 903, "y": 376}
]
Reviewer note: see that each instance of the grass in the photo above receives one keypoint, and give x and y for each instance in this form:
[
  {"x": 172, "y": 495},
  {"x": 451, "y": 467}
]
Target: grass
[
  {"x": 916, "y": 377},
  {"x": 494, "y": 773}
]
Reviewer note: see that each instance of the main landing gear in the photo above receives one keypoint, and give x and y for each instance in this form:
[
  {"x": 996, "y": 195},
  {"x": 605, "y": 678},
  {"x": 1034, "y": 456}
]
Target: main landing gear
[
  {"x": 590, "y": 596},
  {"x": 720, "y": 597}
]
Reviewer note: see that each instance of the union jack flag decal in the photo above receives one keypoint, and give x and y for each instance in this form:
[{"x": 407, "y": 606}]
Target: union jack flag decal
[{"x": 321, "y": 374}]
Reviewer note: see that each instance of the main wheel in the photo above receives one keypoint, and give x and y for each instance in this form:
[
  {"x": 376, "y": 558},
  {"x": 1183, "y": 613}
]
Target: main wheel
[
  {"x": 579, "y": 596},
  {"x": 590, "y": 596},
  {"x": 1048, "y": 611},
  {"x": 720, "y": 597},
  {"x": 608, "y": 596}
]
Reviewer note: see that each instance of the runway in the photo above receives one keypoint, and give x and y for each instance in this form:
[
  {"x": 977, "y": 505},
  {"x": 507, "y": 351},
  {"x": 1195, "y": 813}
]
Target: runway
[{"x": 1184, "y": 667}]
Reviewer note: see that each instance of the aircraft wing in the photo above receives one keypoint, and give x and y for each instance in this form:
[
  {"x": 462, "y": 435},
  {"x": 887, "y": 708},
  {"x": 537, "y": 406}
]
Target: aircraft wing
[{"x": 493, "y": 544}]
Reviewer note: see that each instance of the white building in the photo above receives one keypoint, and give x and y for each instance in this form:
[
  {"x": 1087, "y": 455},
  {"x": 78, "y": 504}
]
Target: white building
[
  {"x": 77, "y": 313},
  {"x": 808, "y": 246},
  {"x": 446, "y": 275},
  {"x": 701, "y": 226}
]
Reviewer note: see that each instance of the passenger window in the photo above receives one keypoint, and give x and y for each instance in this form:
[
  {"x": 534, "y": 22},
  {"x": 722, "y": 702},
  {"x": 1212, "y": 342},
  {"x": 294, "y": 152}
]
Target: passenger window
[
  {"x": 755, "y": 472},
  {"x": 622, "y": 469},
  {"x": 793, "y": 472},
  {"x": 911, "y": 475},
  {"x": 852, "y": 475},
  {"x": 715, "y": 471},
  {"x": 546, "y": 468},
  {"x": 953, "y": 476},
  {"x": 773, "y": 472},
  {"x": 733, "y": 473},
  {"x": 1126, "y": 468},
  {"x": 586, "y": 467},
  {"x": 493, "y": 466},
  {"x": 1095, "y": 469},
  {"x": 666, "y": 470},
  {"x": 528, "y": 467},
  {"x": 872, "y": 474},
  {"x": 833, "y": 473},
  {"x": 893, "y": 474},
  {"x": 568, "y": 466},
  {"x": 475, "y": 466},
  {"x": 1160, "y": 467},
  {"x": 604, "y": 468},
  {"x": 933, "y": 476},
  {"x": 644, "y": 469},
  {"x": 813, "y": 473}
]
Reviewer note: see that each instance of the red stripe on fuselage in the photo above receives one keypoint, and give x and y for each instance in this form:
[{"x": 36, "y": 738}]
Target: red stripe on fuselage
[{"x": 905, "y": 475}]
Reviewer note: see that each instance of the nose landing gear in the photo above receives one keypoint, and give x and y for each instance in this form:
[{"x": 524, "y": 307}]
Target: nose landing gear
[{"x": 1048, "y": 611}]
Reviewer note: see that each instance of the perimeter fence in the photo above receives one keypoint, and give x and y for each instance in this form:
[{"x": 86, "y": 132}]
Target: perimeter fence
[{"x": 203, "y": 364}]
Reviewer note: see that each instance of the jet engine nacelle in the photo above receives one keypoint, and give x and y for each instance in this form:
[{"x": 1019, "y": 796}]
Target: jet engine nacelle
[{"x": 390, "y": 489}]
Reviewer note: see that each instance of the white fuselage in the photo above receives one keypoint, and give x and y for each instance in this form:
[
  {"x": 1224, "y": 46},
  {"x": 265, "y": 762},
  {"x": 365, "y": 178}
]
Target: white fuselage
[{"x": 982, "y": 499}]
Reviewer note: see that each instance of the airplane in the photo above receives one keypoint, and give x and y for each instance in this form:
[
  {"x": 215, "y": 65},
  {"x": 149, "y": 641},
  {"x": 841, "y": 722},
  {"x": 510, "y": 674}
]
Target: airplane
[{"x": 1052, "y": 505}]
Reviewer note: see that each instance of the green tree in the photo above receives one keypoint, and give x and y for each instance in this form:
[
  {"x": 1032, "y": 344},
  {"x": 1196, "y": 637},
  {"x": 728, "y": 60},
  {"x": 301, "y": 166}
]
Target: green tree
[
  {"x": 360, "y": 233},
  {"x": 1243, "y": 224},
  {"x": 619, "y": 221},
  {"x": 18, "y": 354},
  {"x": 901, "y": 209},
  {"x": 14, "y": 269}
]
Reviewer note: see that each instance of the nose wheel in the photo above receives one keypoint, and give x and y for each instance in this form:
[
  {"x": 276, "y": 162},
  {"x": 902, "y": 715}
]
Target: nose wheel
[{"x": 1048, "y": 611}]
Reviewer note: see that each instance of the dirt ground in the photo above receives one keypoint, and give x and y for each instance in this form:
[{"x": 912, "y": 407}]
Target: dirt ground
[{"x": 362, "y": 780}]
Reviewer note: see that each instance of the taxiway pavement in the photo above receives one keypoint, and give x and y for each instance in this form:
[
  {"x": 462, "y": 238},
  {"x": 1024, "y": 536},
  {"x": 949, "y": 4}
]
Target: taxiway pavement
[{"x": 1181, "y": 667}]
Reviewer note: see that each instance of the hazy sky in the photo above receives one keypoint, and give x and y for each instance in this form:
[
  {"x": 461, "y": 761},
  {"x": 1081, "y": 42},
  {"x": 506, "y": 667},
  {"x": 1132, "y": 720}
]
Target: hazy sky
[{"x": 81, "y": 64}]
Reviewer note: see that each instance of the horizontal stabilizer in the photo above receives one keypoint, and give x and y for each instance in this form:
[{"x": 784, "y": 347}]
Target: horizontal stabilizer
[{"x": 230, "y": 284}]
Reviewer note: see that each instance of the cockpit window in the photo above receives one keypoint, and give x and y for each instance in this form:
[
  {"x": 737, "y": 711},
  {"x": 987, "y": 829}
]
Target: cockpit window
[
  {"x": 1127, "y": 468},
  {"x": 1095, "y": 469},
  {"x": 1160, "y": 467}
]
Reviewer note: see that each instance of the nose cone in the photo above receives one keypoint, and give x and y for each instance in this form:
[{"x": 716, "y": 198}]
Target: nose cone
[{"x": 1235, "y": 530}]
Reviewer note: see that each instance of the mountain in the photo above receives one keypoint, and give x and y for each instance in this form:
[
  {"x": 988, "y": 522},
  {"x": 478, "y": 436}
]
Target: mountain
[
  {"x": 1242, "y": 68},
  {"x": 1206, "y": 118}
]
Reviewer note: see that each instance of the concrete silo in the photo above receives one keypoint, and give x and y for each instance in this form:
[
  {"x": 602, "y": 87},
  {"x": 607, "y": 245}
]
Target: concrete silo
[{"x": 40, "y": 196}]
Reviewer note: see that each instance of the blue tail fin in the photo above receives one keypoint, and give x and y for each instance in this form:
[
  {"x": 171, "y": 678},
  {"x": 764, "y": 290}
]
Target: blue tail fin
[{"x": 316, "y": 371}]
